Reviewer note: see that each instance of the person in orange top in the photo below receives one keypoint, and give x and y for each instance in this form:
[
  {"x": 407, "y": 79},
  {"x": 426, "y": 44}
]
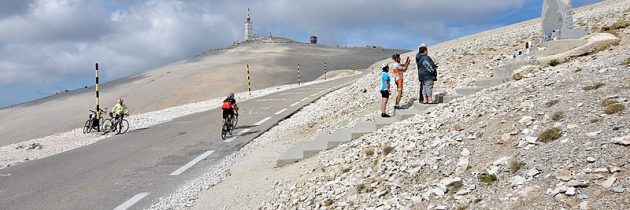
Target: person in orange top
[{"x": 398, "y": 70}]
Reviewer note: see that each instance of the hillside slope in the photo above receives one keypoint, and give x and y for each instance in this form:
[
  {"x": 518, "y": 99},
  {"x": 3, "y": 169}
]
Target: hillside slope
[
  {"x": 210, "y": 75},
  {"x": 488, "y": 150}
]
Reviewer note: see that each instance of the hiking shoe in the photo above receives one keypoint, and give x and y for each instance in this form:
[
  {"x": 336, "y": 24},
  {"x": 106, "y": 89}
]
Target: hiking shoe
[{"x": 385, "y": 115}]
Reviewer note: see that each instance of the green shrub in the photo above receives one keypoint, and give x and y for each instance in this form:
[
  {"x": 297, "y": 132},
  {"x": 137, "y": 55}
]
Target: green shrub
[
  {"x": 614, "y": 108},
  {"x": 455, "y": 186},
  {"x": 487, "y": 178},
  {"x": 554, "y": 62},
  {"x": 549, "y": 135}
]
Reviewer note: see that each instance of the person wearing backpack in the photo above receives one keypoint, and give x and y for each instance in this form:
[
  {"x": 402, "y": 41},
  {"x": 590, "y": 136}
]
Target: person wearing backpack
[
  {"x": 427, "y": 74},
  {"x": 230, "y": 109}
]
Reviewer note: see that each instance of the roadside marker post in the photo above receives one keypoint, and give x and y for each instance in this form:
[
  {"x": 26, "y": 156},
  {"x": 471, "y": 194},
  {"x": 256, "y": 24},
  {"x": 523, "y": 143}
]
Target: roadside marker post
[
  {"x": 325, "y": 71},
  {"x": 299, "y": 81},
  {"x": 98, "y": 108},
  {"x": 249, "y": 82}
]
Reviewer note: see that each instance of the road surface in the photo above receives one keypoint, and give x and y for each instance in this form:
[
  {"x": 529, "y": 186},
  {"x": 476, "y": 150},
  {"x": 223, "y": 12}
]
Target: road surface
[{"x": 131, "y": 171}]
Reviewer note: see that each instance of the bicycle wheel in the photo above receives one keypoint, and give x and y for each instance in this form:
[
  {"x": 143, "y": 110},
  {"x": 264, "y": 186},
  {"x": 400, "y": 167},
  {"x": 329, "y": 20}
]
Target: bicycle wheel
[
  {"x": 106, "y": 127},
  {"x": 223, "y": 130},
  {"x": 123, "y": 126},
  {"x": 235, "y": 121},
  {"x": 88, "y": 126}
]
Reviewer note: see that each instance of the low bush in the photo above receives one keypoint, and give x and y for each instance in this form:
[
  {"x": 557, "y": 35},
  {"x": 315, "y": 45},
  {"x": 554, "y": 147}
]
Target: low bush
[
  {"x": 614, "y": 108},
  {"x": 549, "y": 135}
]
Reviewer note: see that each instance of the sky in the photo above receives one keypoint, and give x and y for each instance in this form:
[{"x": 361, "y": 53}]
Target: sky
[{"x": 47, "y": 46}]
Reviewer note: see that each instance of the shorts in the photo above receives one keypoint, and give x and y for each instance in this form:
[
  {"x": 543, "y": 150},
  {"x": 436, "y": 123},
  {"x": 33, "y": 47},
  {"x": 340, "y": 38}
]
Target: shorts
[
  {"x": 384, "y": 93},
  {"x": 228, "y": 113},
  {"x": 399, "y": 84},
  {"x": 427, "y": 87}
]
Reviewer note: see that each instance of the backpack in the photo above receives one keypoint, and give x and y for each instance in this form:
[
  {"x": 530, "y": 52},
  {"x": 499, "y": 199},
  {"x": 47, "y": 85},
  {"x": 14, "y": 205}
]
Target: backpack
[{"x": 227, "y": 105}]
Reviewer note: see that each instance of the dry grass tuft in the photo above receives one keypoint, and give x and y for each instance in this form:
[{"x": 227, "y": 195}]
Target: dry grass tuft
[
  {"x": 549, "y": 135},
  {"x": 594, "y": 86},
  {"x": 387, "y": 150},
  {"x": 552, "y": 103},
  {"x": 614, "y": 108},
  {"x": 369, "y": 152},
  {"x": 488, "y": 178},
  {"x": 554, "y": 62},
  {"x": 557, "y": 116},
  {"x": 515, "y": 166}
]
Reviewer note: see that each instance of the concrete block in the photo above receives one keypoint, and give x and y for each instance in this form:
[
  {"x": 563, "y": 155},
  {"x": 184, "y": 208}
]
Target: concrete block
[
  {"x": 338, "y": 137},
  {"x": 491, "y": 82},
  {"x": 468, "y": 91},
  {"x": 292, "y": 155},
  {"x": 311, "y": 148},
  {"x": 362, "y": 128},
  {"x": 382, "y": 121},
  {"x": 404, "y": 114},
  {"x": 422, "y": 107},
  {"x": 449, "y": 98}
]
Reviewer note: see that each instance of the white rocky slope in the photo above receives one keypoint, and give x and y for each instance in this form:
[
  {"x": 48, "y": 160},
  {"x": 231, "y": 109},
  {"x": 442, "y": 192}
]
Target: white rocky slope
[{"x": 449, "y": 157}]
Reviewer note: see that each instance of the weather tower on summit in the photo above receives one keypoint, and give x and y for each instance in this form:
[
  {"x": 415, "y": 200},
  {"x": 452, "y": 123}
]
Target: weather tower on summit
[{"x": 249, "y": 27}]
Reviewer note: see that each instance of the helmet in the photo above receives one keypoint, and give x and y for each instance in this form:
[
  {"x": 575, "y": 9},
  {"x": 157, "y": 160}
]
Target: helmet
[
  {"x": 230, "y": 96},
  {"x": 383, "y": 65}
]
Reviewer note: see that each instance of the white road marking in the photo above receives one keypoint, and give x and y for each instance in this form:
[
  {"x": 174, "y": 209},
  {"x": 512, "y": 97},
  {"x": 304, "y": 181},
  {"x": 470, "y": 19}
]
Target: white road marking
[
  {"x": 237, "y": 135},
  {"x": 272, "y": 99},
  {"x": 191, "y": 163},
  {"x": 262, "y": 121},
  {"x": 314, "y": 95},
  {"x": 133, "y": 200},
  {"x": 285, "y": 109},
  {"x": 304, "y": 99},
  {"x": 296, "y": 103}
]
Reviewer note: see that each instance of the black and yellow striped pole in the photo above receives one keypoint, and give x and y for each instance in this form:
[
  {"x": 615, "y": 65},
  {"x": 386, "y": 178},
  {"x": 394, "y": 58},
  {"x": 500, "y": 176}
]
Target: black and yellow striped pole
[
  {"x": 325, "y": 71},
  {"x": 98, "y": 108},
  {"x": 299, "y": 81},
  {"x": 249, "y": 82}
]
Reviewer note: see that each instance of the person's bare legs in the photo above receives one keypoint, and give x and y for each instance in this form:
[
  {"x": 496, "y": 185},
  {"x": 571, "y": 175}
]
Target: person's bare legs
[
  {"x": 430, "y": 99},
  {"x": 425, "y": 99},
  {"x": 399, "y": 96},
  {"x": 384, "y": 105}
]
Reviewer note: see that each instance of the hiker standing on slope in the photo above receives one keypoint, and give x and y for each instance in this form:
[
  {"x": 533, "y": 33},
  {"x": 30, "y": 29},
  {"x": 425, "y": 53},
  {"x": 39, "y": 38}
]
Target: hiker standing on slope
[
  {"x": 427, "y": 74},
  {"x": 385, "y": 87},
  {"x": 398, "y": 70}
]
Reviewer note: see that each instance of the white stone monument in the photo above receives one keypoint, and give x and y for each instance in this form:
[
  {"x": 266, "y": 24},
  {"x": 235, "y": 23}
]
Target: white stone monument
[{"x": 557, "y": 21}]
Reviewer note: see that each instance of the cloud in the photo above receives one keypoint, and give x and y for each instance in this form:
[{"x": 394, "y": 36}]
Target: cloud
[{"x": 52, "y": 41}]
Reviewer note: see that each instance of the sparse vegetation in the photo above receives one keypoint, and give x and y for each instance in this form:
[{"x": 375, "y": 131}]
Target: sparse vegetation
[
  {"x": 387, "y": 150},
  {"x": 626, "y": 62},
  {"x": 607, "y": 102},
  {"x": 557, "y": 116},
  {"x": 594, "y": 120},
  {"x": 614, "y": 108},
  {"x": 345, "y": 170},
  {"x": 552, "y": 103},
  {"x": 462, "y": 208},
  {"x": 515, "y": 166},
  {"x": 549, "y": 135},
  {"x": 455, "y": 186},
  {"x": 594, "y": 86},
  {"x": 328, "y": 202},
  {"x": 554, "y": 62},
  {"x": 369, "y": 152},
  {"x": 360, "y": 188},
  {"x": 488, "y": 178},
  {"x": 578, "y": 69}
]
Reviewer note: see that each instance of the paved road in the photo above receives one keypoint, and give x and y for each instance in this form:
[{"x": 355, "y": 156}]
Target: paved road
[{"x": 133, "y": 170}]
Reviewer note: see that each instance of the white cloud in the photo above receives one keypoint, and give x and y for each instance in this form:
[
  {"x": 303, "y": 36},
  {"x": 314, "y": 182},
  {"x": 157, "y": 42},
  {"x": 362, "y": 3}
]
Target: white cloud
[{"x": 55, "y": 40}]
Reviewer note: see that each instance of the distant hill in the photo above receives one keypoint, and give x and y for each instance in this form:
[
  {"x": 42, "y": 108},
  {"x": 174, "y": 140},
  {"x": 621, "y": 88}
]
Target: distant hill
[{"x": 273, "y": 62}]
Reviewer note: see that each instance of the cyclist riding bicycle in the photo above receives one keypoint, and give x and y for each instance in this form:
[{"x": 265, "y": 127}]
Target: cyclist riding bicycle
[
  {"x": 229, "y": 106},
  {"x": 120, "y": 110}
]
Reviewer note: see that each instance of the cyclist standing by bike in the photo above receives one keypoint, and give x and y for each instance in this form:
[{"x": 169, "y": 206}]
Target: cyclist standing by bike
[
  {"x": 120, "y": 110},
  {"x": 229, "y": 107}
]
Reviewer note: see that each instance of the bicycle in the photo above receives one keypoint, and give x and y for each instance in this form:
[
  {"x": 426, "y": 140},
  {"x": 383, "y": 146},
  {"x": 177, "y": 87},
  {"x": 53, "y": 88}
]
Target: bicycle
[
  {"x": 92, "y": 122},
  {"x": 228, "y": 125},
  {"x": 113, "y": 124}
]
